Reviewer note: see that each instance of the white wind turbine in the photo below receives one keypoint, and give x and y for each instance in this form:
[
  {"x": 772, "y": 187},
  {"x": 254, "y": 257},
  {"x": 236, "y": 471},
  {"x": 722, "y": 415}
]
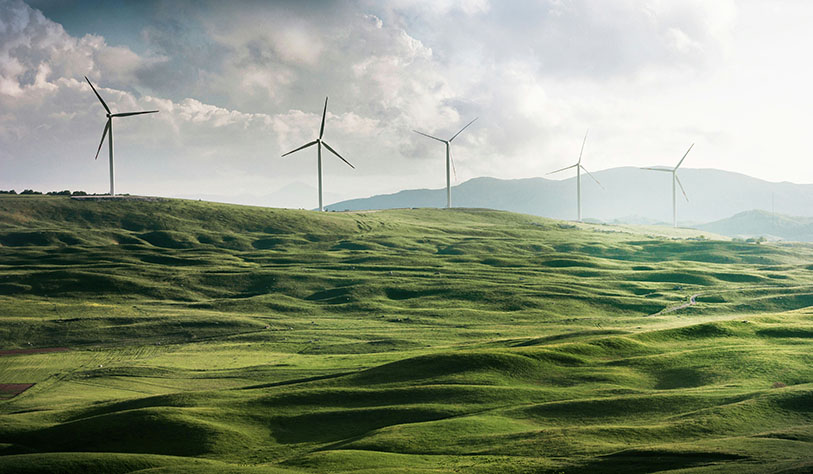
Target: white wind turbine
[
  {"x": 448, "y": 159},
  {"x": 318, "y": 142},
  {"x": 675, "y": 179},
  {"x": 579, "y": 169},
  {"x": 108, "y": 131}
]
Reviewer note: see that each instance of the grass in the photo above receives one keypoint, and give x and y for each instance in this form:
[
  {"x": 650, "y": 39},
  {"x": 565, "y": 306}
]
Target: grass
[{"x": 221, "y": 338}]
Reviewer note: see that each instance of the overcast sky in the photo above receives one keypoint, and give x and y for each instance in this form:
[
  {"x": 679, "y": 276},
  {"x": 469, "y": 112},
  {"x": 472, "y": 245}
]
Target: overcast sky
[{"x": 239, "y": 83}]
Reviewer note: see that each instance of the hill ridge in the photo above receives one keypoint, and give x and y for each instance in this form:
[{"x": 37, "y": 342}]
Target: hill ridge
[{"x": 713, "y": 195}]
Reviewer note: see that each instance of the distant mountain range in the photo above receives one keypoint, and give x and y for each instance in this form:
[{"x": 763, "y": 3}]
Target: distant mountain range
[
  {"x": 756, "y": 223},
  {"x": 631, "y": 196}
]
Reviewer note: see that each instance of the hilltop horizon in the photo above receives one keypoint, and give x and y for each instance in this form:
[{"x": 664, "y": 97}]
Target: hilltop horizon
[{"x": 555, "y": 198}]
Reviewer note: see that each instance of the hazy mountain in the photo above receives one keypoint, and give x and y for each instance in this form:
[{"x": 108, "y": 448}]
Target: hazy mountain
[
  {"x": 631, "y": 195},
  {"x": 763, "y": 224}
]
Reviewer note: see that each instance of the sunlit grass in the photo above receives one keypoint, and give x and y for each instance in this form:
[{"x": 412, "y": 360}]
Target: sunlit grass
[{"x": 212, "y": 337}]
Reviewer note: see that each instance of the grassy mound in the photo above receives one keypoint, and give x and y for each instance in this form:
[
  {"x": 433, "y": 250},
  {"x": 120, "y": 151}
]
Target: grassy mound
[{"x": 207, "y": 337}]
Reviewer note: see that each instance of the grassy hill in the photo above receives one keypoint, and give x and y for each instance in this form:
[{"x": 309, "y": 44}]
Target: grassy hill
[{"x": 170, "y": 336}]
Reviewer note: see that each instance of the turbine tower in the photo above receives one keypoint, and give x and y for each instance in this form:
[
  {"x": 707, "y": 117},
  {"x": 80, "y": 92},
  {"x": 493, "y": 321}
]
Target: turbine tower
[
  {"x": 318, "y": 142},
  {"x": 579, "y": 169},
  {"x": 675, "y": 179},
  {"x": 449, "y": 160},
  {"x": 108, "y": 131}
]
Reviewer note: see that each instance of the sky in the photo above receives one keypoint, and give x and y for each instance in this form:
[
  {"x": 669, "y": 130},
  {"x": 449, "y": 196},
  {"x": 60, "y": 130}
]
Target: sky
[{"x": 240, "y": 83}]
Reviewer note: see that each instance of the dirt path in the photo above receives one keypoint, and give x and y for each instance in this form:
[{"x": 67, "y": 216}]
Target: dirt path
[
  {"x": 11, "y": 390},
  {"x": 692, "y": 301}
]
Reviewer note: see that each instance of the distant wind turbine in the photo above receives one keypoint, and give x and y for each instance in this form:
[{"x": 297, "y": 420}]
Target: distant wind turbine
[
  {"x": 448, "y": 159},
  {"x": 318, "y": 142},
  {"x": 108, "y": 131},
  {"x": 675, "y": 179},
  {"x": 579, "y": 169}
]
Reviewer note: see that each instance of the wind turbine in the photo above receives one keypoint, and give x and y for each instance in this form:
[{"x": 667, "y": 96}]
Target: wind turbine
[
  {"x": 675, "y": 179},
  {"x": 448, "y": 159},
  {"x": 579, "y": 169},
  {"x": 108, "y": 130},
  {"x": 318, "y": 142}
]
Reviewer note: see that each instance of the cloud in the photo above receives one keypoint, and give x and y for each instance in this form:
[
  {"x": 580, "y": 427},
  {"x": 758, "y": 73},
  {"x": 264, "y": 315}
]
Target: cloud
[
  {"x": 238, "y": 86},
  {"x": 582, "y": 38},
  {"x": 34, "y": 51}
]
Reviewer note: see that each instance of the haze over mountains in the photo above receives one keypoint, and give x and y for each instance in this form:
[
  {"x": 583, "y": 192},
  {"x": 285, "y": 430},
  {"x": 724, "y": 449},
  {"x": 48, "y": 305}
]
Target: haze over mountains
[
  {"x": 631, "y": 195},
  {"x": 765, "y": 224}
]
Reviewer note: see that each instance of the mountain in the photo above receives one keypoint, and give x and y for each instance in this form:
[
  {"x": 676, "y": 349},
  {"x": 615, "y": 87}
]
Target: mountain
[
  {"x": 756, "y": 223},
  {"x": 631, "y": 195}
]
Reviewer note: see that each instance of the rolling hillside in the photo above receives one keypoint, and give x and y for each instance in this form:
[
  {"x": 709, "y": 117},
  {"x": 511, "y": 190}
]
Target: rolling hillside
[
  {"x": 174, "y": 336},
  {"x": 631, "y": 195}
]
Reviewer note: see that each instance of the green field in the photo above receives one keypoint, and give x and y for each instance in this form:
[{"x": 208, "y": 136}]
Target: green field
[{"x": 203, "y": 337}]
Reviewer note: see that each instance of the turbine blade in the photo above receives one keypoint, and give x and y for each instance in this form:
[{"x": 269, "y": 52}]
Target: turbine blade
[
  {"x": 104, "y": 134},
  {"x": 461, "y": 130},
  {"x": 451, "y": 159},
  {"x": 302, "y": 147},
  {"x": 430, "y": 136},
  {"x": 681, "y": 187},
  {"x": 97, "y": 95},
  {"x": 684, "y": 156},
  {"x": 127, "y": 114},
  {"x": 337, "y": 154},
  {"x": 562, "y": 169},
  {"x": 591, "y": 175},
  {"x": 324, "y": 113},
  {"x": 583, "y": 142},
  {"x": 657, "y": 169}
]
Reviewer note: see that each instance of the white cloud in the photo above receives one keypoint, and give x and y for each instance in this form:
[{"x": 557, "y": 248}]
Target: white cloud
[
  {"x": 238, "y": 86},
  {"x": 35, "y": 51}
]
